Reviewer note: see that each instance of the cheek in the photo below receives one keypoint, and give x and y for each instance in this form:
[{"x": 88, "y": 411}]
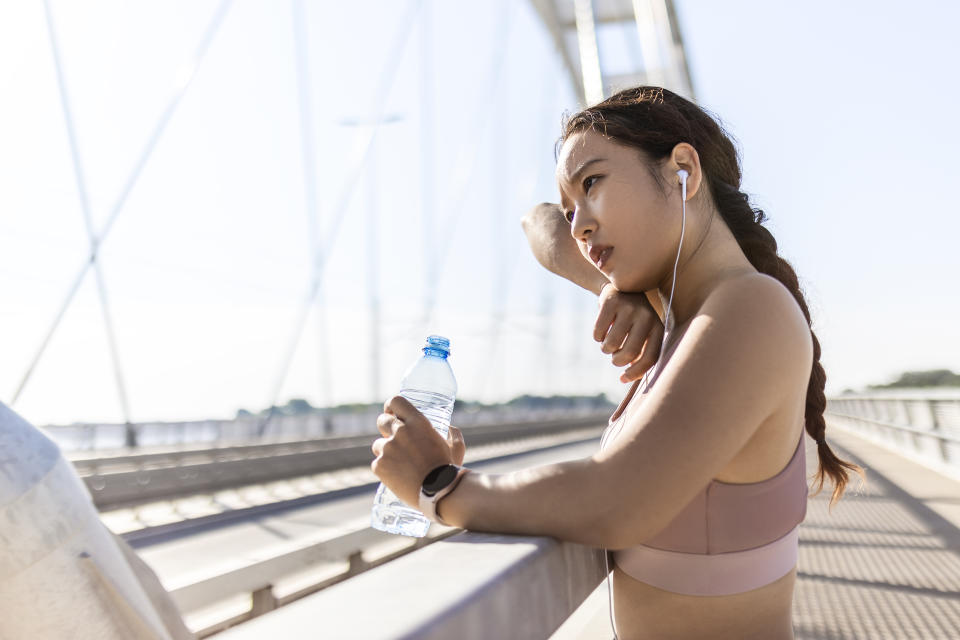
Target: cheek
[{"x": 583, "y": 250}]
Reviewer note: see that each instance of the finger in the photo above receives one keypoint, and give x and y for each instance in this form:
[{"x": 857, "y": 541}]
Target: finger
[
  {"x": 635, "y": 371},
  {"x": 654, "y": 341},
  {"x": 458, "y": 448},
  {"x": 378, "y": 446},
  {"x": 648, "y": 358},
  {"x": 605, "y": 318},
  {"x": 400, "y": 407},
  {"x": 385, "y": 424},
  {"x": 616, "y": 335},
  {"x": 633, "y": 345}
]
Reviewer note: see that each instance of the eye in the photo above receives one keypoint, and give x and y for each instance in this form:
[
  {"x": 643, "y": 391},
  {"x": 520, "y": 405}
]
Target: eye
[
  {"x": 569, "y": 216},
  {"x": 589, "y": 182}
]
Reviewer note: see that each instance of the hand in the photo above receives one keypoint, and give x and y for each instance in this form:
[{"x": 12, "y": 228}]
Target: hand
[
  {"x": 629, "y": 329},
  {"x": 410, "y": 449}
]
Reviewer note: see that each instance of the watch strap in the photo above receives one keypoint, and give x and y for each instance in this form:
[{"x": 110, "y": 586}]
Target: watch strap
[{"x": 428, "y": 504}]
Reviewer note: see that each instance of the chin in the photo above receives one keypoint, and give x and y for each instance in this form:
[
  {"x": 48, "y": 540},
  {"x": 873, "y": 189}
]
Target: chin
[{"x": 626, "y": 285}]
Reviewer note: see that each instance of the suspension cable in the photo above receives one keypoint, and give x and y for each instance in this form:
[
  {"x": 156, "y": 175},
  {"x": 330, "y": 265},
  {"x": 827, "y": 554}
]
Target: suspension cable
[
  {"x": 159, "y": 128},
  {"x": 358, "y": 160},
  {"x": 88, "y": 222}
]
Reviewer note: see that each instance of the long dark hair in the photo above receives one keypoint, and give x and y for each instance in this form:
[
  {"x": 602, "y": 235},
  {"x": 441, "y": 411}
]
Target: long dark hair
[{"x": 655, "y": 120}]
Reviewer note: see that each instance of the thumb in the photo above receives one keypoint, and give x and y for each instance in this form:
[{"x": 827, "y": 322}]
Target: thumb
[{"x": 457, "y": 446}]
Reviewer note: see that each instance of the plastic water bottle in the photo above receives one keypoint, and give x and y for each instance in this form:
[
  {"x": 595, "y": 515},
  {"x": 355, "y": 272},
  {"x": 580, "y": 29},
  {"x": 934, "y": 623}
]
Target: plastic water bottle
[{"x": 429, "y": 385}]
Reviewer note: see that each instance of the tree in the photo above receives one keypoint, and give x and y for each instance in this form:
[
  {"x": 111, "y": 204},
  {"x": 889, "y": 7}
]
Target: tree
[{"x": 931, "y": 378}]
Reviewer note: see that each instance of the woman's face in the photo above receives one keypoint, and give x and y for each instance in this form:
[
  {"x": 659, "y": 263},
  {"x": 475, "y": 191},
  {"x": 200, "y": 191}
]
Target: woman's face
[{"x": 618, "y": 215}]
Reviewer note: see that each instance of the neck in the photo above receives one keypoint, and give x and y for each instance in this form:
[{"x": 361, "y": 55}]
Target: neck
[{"x": 704, "y": 264}]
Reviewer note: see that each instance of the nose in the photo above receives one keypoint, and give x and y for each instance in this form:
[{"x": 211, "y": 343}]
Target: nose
[{"x": 583, "y": 224}]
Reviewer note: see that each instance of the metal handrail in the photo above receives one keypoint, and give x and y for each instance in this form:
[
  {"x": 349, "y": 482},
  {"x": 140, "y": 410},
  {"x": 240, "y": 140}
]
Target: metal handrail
[
  {"x": 931, "y": 420},
  {"x": 899, "y": 427}
]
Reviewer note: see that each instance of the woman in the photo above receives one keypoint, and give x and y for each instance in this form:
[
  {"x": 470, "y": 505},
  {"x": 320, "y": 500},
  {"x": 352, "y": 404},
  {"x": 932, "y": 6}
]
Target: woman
[{"x": 699, "y": 485}]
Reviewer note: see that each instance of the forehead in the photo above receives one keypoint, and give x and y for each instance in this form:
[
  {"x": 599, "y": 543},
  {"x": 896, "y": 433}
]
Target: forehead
[{"x": 582, "y": 147}]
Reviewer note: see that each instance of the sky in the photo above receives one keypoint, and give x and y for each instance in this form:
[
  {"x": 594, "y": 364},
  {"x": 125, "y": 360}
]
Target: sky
[{"x": 844, "y": 114}]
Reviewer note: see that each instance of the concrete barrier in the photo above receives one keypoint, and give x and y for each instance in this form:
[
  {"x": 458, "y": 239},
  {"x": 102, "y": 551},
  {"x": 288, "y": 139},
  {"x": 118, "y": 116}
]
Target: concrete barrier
[
  {"x": 258, "y": 579},
  {"x": 472, "y": 586}
]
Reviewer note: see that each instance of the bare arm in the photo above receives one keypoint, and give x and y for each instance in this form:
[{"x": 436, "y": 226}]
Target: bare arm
[
  {"x": 746, "y": 350},
  {"x": 549, "y": 236},
  {"x": 712, "y": 396}
]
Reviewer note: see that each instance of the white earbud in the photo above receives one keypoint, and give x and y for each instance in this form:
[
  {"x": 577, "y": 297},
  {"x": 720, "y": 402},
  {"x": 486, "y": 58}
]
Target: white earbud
[{"x": 683, "y": 176}]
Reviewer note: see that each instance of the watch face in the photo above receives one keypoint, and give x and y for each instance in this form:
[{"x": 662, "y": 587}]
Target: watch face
[{"x": 438, "y": 479}]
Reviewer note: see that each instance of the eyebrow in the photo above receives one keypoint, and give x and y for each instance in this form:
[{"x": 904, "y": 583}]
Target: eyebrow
[
  {"x": 576, "y": 173},
  {"x": 583, "y": 167}
]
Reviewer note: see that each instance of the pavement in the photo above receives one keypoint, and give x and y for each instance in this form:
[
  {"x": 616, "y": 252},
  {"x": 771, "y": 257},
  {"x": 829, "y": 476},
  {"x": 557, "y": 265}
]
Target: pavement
[{"x": 884, "y": 563}]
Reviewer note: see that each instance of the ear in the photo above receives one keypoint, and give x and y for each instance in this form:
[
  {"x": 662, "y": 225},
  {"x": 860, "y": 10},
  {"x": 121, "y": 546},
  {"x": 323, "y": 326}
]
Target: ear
[{"x": 684, "y": 156}]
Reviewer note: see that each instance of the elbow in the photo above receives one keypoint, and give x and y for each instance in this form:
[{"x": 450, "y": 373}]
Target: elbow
[
  {"x": 540, "y": 214},
  {"x": 528, "y": 220}
]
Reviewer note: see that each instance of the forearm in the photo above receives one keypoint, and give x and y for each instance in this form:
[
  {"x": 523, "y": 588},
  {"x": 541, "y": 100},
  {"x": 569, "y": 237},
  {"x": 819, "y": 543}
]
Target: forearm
[
  {"x": 554, "y": 248},
  {"x": 565, "y": 500}
]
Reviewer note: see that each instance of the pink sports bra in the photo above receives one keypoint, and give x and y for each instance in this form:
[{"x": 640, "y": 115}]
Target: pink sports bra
[{"x": 729, "y": 539}]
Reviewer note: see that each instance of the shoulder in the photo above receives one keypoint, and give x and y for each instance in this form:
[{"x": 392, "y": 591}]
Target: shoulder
[{"x": 761, "y": 311}]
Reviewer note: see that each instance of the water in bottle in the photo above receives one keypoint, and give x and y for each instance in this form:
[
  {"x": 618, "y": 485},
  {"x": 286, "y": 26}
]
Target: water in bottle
[{"x": 429, "y": 385}]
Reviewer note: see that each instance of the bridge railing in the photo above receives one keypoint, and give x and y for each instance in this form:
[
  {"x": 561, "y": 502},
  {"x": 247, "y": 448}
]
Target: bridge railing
[
  {"x": 133, "y": 478},
  {"x": 259, "y": 579},
  {"x": 468, "y": 586},
  {"x": 97, "y": 438},
  {"x": 921, "y": 425}
]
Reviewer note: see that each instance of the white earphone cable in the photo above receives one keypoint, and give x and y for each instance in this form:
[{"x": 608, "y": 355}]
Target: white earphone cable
[{"x": 644, "y": 382}]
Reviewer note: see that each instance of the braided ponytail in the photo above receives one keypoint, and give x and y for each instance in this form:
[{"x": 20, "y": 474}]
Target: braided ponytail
[
  {"x": 760, "y": 248},
  {"x": 654, "y": 120}
]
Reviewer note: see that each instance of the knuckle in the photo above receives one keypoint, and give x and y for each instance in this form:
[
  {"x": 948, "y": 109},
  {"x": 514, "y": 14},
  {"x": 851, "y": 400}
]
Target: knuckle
[{"x": 392, "y": 402}]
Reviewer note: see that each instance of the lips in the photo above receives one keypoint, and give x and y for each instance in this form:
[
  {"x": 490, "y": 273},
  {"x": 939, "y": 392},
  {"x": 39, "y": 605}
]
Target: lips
[{"x": 600, "y": 254}]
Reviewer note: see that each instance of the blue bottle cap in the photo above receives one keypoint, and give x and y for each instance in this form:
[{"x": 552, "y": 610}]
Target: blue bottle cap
[{"x": 438, "y": 345}]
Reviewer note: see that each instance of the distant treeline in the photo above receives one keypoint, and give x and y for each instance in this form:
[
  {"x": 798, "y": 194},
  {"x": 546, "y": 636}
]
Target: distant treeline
[
  {"x": 913, "y": 379},
  {"x": 299, "y": 406}
]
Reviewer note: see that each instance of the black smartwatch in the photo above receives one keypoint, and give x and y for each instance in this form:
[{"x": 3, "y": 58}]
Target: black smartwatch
[
  {"x": 438, "y": 479},
  {"x": 439, "y": 483}
]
